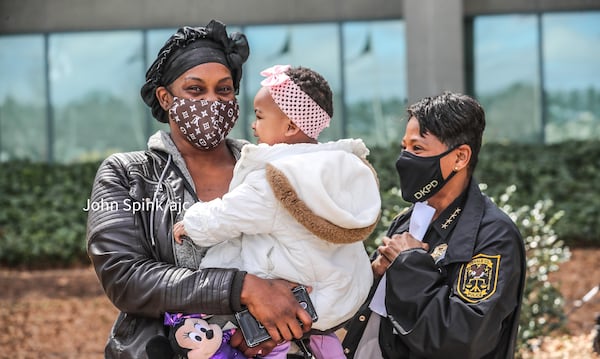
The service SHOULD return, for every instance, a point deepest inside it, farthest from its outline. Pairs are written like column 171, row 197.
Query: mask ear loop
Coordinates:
column 454, row 170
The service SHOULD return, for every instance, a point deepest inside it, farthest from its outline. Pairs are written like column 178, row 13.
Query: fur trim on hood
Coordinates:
column 322, row 228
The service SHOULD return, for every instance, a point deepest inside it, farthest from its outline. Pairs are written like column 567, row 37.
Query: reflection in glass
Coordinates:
column 94, row 90
column 375, row 80
column 155, row 39
column 506, row 76
column 572, row 75
column 23, row 131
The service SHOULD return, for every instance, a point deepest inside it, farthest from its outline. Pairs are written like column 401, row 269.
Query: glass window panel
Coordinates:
column 155, row 39
column 507, row 76
column 23, row 132
column 315, row 46
column 375, row 86
column 572, row 75
column 94, row 90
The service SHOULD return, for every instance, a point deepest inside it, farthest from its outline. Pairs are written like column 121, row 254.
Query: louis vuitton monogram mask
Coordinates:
column 205, row 124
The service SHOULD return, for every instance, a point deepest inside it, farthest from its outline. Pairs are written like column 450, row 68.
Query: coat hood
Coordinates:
column 329, row 187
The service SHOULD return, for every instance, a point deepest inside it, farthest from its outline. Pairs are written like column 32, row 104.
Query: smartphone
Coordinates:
column 254, row 332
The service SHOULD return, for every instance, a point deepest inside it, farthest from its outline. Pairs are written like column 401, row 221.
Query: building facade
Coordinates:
column 70, row 71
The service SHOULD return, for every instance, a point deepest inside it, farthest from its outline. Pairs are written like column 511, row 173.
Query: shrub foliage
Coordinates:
column 42, row 222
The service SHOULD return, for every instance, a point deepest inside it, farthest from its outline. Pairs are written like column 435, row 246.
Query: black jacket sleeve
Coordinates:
column 134, row 279
column 430, row 316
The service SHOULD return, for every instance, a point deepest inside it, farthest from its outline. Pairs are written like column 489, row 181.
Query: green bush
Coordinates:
column 568, row 174
column 42, row 222
column 543, row 305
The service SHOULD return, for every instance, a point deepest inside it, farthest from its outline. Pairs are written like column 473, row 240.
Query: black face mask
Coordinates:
column 420, row 177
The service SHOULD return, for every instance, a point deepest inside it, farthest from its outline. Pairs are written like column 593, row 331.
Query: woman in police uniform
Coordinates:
column 457, row 291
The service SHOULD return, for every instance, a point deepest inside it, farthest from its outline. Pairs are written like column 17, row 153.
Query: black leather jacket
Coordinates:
column 136, row 198
column 462, row 304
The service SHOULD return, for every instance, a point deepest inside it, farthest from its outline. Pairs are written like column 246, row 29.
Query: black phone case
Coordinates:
column 254, row 332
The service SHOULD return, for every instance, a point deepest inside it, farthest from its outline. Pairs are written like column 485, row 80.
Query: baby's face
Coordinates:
column 270, row 124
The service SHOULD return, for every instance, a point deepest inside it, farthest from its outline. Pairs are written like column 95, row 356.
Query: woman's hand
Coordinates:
column 273, row 304
column 391, row 248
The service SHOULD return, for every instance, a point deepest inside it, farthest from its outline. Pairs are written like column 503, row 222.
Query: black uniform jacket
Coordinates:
column 460, row 300
column 137, row 197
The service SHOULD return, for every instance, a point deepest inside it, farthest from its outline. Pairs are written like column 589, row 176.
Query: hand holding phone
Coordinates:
column 254, row 332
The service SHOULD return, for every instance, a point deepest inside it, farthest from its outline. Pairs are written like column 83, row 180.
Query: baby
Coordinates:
column 297, row 209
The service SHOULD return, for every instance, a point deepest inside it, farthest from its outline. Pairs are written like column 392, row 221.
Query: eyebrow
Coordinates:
column 227, row 78
column 414, row 139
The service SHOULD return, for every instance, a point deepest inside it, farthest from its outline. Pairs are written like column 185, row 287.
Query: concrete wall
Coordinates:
column 434, row 42
column 488, row 7
column 65, row 15
column 27, row 16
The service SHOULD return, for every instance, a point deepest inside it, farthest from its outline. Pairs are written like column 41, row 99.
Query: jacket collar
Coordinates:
column 448, row 219
column 162, row 141
column 466, row 227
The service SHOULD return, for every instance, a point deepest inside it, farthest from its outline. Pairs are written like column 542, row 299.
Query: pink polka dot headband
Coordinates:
column 294, row 102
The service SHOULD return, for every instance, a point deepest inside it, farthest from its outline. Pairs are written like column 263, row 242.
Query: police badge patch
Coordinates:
column 439, row 252
column 477, row 279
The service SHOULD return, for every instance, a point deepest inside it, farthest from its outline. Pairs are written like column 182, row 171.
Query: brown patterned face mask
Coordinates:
column 204, row 123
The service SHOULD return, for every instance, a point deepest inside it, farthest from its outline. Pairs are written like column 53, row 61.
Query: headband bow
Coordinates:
column 275, row 75
column 294, row 102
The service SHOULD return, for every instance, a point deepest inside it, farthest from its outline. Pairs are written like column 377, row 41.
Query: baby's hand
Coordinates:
column 179, row 232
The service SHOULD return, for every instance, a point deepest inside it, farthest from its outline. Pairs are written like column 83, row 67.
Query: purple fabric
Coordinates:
column 279, row 352
column 226, row 351
column 322, row 346
column 326, row 346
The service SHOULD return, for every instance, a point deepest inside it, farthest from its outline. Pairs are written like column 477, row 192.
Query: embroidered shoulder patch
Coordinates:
column 477, row 279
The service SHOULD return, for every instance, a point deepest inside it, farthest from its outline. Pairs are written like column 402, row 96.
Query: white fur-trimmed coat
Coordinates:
column 298, row 212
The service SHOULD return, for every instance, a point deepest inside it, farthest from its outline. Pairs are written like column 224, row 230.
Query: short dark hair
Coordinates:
column 453, row 118
column 314, row 85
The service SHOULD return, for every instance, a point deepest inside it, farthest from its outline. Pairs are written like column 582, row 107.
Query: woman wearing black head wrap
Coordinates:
column 140, row 195
column 191, row 46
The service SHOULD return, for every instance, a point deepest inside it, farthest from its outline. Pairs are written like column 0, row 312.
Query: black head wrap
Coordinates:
column 189, row 47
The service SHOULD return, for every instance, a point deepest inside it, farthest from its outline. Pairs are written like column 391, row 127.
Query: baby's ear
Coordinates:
column 292, row 129
column 159, row 347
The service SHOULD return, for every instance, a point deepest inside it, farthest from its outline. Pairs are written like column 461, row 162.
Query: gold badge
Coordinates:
column 477, row 279
column 439, row 252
